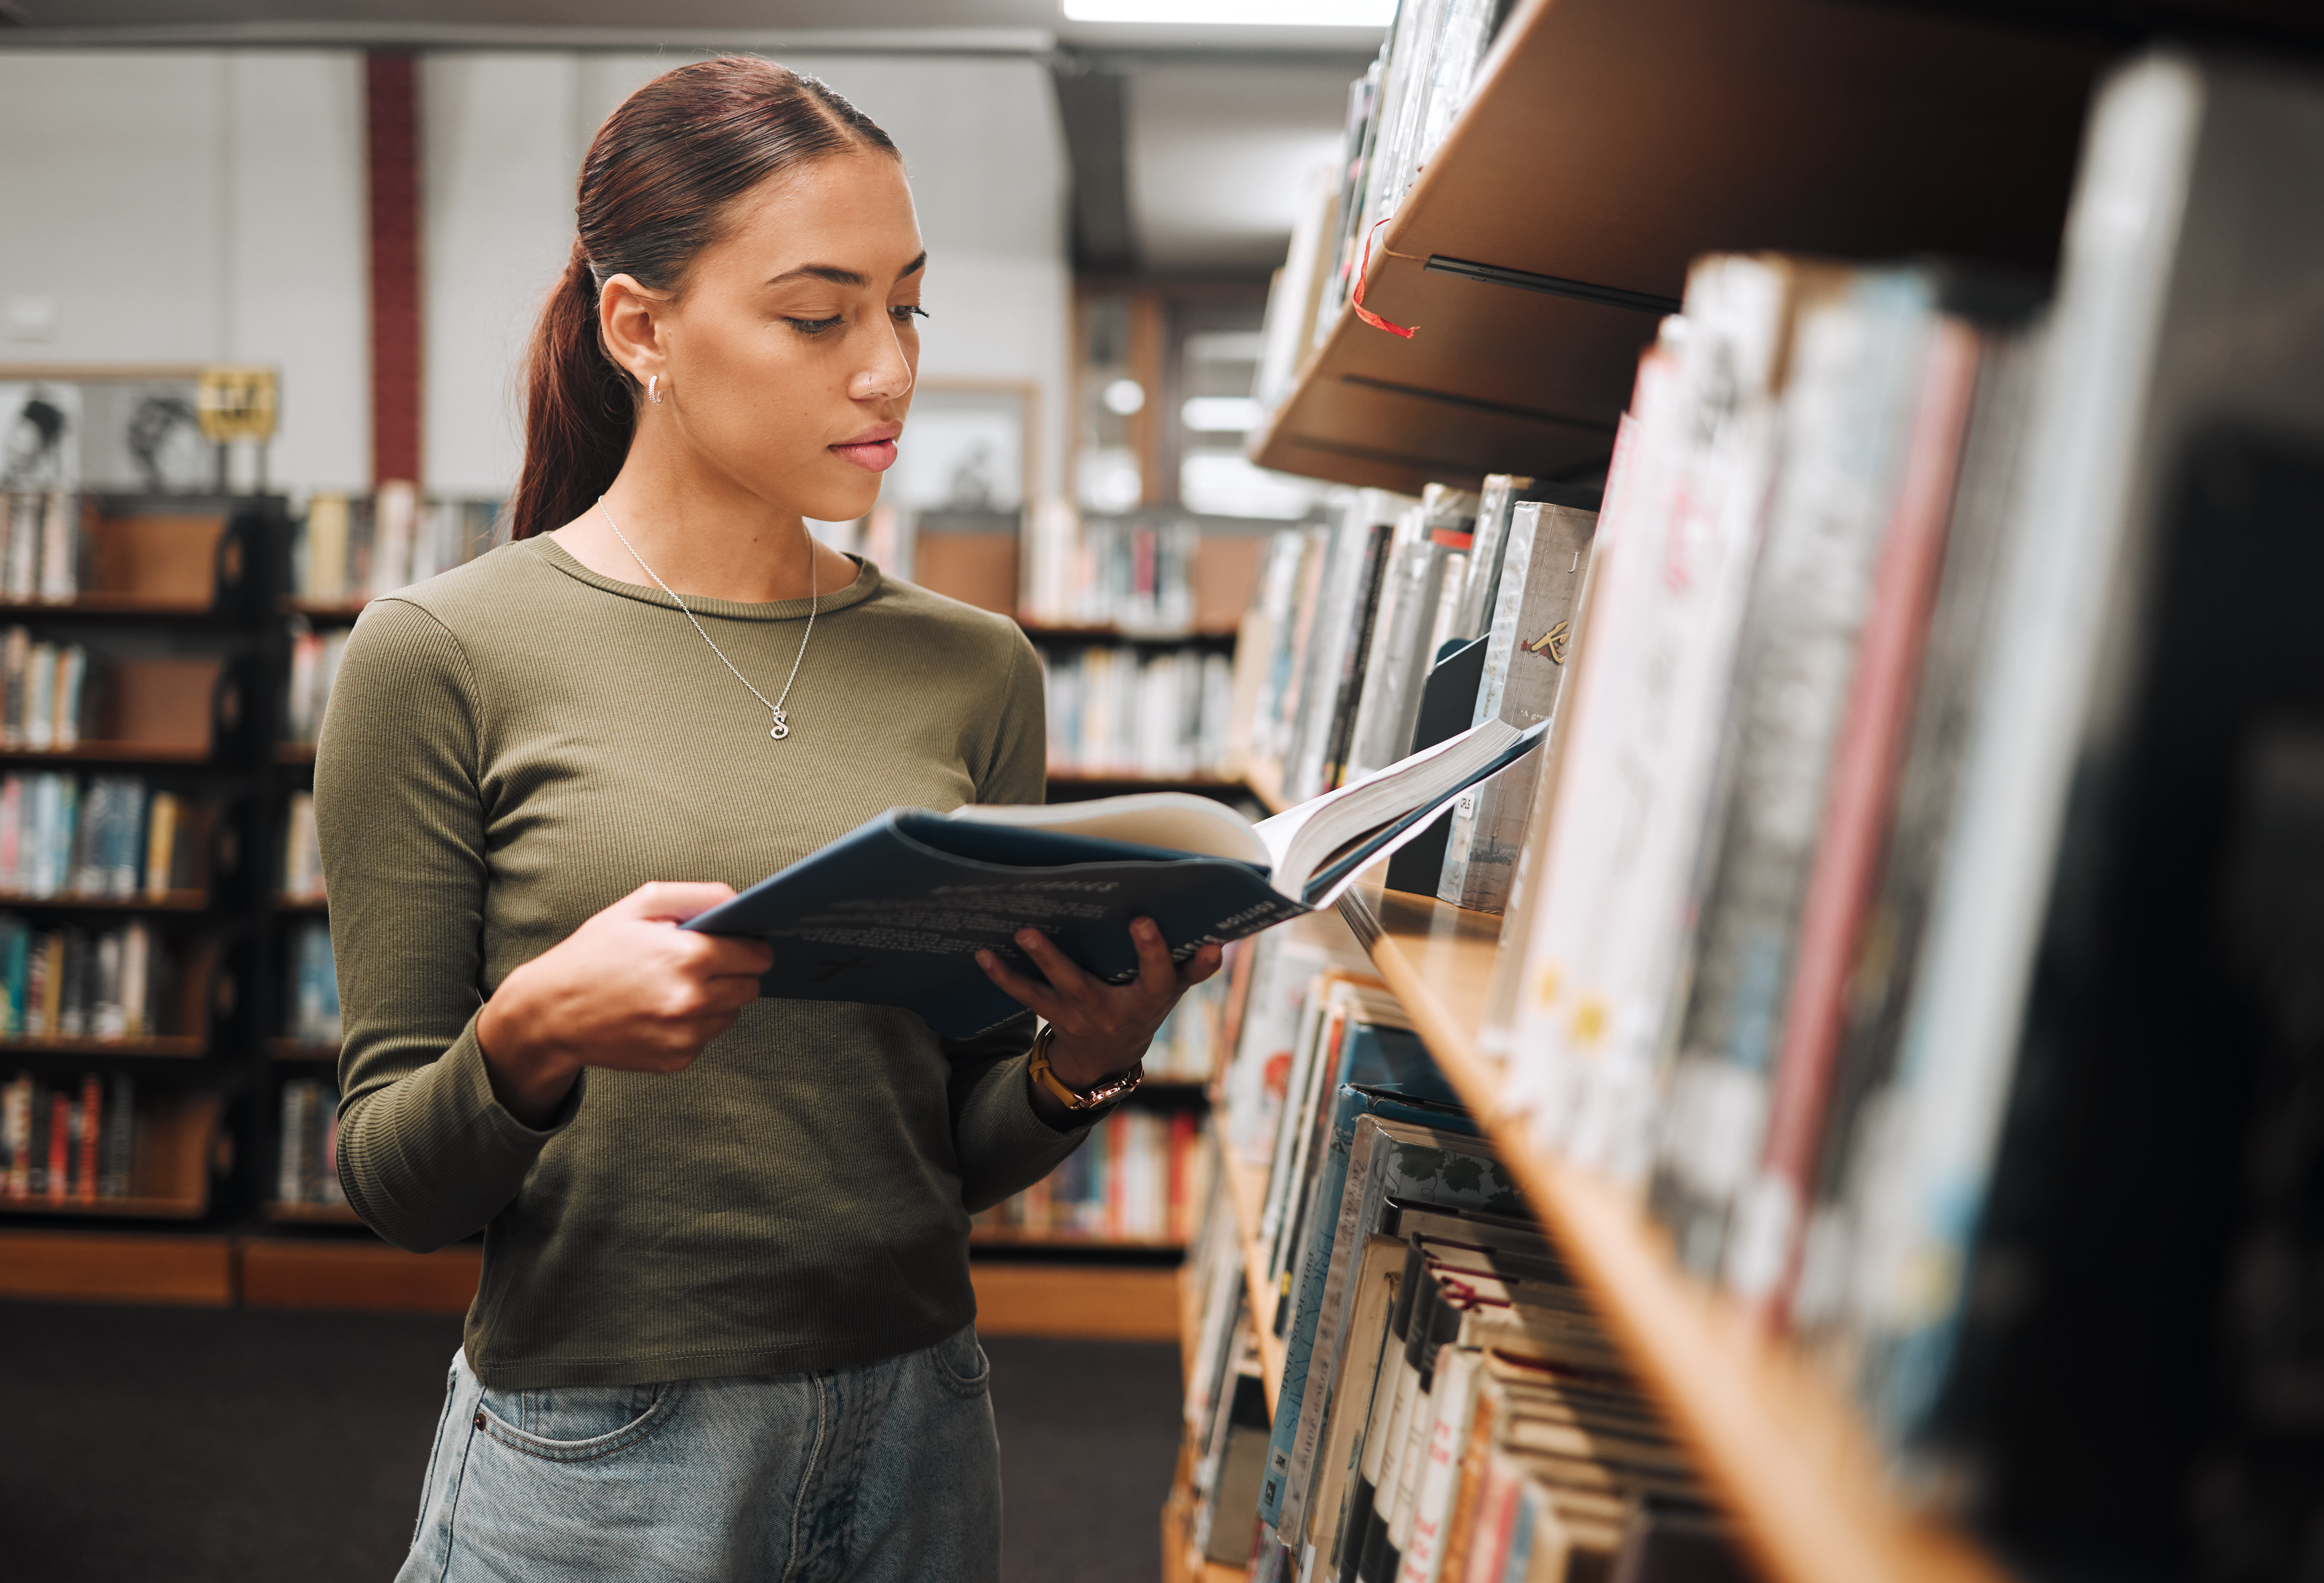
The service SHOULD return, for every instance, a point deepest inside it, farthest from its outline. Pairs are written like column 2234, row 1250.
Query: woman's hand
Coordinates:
column 1101, row 1028
column 629, row 990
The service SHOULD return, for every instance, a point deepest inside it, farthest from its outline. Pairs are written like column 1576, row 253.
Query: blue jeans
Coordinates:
column 887, row 1473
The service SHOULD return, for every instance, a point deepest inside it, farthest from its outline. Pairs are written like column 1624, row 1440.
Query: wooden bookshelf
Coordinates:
column 178, row 1149
column 1247, row 1191
column 188, row 1271
column 142, row 901
column 322, row 609
column 1034, row 1237
column 1787, row 1452
column 300, row 1214
column 298, row 1050
column 294, row 752
column 107, row 605
column 300, row 904
column 1610, row 142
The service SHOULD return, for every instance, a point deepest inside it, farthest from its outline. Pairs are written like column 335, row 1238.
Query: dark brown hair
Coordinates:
column 653, row 193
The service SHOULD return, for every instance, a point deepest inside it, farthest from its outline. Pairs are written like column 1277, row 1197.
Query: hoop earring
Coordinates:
column 653, row 390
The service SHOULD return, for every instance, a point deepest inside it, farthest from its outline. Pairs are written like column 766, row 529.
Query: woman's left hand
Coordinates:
column 1101, row 1028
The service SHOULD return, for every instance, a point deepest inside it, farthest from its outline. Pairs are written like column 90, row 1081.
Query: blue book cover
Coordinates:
column 893, row 913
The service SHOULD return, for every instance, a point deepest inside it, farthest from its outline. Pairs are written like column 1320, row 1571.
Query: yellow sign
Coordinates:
column 237, row 402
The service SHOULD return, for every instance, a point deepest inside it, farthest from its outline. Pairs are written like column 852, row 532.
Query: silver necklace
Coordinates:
column 783, row 726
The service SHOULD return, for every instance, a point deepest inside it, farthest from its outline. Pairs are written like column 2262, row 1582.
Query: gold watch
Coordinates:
column 1108, row 1091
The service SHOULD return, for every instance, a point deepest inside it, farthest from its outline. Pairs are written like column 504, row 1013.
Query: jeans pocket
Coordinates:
column 960, row 1364
column 578, row 1423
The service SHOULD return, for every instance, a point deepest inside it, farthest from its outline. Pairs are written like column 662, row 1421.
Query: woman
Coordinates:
column 724, row 1329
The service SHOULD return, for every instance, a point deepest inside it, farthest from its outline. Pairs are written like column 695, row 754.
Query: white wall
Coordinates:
column 505, row 136
column 198, row 207
column 205, row 206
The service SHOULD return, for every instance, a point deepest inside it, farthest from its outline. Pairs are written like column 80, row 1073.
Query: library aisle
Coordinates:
column 1708, row 603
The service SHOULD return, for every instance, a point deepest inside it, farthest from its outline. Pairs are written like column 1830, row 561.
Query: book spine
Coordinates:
column 1773, row 1210
column 91, row 1120
column 1292, row 1445
column 1357, row 659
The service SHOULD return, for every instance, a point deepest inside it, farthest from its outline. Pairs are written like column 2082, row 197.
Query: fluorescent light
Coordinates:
column 1225, row 13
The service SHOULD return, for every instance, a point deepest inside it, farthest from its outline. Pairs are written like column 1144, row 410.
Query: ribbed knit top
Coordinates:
column 515, row 745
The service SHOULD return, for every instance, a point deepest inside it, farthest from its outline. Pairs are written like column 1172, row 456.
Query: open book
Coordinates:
column 893, row 912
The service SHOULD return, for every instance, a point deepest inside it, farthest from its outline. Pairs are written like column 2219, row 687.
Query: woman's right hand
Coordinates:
column 629, row 990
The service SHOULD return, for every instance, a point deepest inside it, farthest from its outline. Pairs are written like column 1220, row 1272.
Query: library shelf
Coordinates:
column 1265, row 781
column 294, row 752
column 1033, row 1236
column 1790, row 1456
column 189, row 1270
column 114, row 604
column 1608, row 143
column 323, row 609
column 157, row 1046
column 299, row 1050
column 1108, row 633
column 294, row 1270
column 285, row 1213
column 1103, row 1301
column 142, row 901
column 180, row 1149
column 285, row 903
column 111, row 754
column 1247, row 1189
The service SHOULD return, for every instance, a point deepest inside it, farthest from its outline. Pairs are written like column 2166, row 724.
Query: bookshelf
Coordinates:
column 1641, row 134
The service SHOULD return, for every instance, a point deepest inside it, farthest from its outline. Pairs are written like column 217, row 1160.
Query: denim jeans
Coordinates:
column 886, row 1473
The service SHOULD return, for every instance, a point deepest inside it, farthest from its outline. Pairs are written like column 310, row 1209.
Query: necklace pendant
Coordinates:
column 781, row 727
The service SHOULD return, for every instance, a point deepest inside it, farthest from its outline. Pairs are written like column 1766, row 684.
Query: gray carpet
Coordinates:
column 187, row 1446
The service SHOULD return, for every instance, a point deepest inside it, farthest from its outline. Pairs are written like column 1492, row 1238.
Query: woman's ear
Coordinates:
column 627, row 321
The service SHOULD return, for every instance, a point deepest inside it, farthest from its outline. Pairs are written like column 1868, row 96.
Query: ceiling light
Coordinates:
column 1222, row 13
column 1123, row 397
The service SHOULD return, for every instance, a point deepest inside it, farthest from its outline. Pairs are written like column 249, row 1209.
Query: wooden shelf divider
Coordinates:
column 1787, row 1452
column 1247, row 1189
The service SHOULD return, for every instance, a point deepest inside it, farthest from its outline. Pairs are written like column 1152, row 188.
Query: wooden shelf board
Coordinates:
column 1609, row 143
column 112, row 753
column 107, row 604
column 294, row 752
column 164, row 1046
column 298, row 1050
column 1788, row 1453
column 1103, row 1301
column 287, row 1213
column 300, row 904
column 143, row 901
column 1031, row 1236
column 117, row 1266
column 1247, row 1189
column 142, row 1209
column 333, row 1272
column 344, row 610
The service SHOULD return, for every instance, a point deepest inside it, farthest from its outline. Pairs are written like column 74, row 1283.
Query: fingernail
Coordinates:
column 1028, row 936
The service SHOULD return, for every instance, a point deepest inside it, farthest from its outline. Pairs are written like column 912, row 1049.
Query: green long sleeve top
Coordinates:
column 513, row 746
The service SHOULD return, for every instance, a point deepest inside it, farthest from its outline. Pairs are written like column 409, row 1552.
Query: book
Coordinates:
column 1546, row 567
column 899, row 905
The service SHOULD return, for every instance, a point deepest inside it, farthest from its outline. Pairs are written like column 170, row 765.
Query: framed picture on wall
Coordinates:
column 966, row 449
column 126, row 430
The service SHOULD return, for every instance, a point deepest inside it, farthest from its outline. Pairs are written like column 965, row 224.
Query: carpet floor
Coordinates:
column 190, row 1446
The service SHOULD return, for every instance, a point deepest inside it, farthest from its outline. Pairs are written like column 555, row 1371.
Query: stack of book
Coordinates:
column 40, row 556
column 1142, row 1176
column 1134, row 578
column 110, row 837
column 77, row 983
column 352, row 548
column 303, row 850
column 1448, row 1406
column 314, row 666
column 1398, row 113
column 65, row 1145
column 1148, row 715
column 44, row 692
column 313, row 1014
column 1400, row 623
column 308, row 1168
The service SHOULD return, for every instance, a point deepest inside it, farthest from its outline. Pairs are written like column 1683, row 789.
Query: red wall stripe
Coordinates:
column 393, row 104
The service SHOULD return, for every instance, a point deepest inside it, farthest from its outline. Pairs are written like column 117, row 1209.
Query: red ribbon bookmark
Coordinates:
column 1363, row 272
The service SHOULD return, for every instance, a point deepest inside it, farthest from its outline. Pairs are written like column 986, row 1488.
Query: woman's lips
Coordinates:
column 872, row 456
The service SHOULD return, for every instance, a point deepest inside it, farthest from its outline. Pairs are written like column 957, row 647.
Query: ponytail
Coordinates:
column 653, row 193
column 580, row 408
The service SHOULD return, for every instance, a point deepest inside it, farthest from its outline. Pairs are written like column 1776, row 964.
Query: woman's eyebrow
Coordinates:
column 837, row 276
